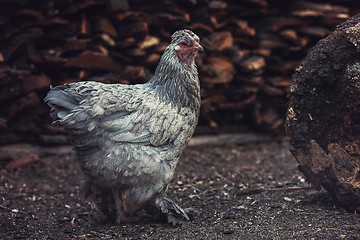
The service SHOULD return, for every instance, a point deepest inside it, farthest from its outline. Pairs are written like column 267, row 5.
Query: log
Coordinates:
column 323, row 118
column 16, row 155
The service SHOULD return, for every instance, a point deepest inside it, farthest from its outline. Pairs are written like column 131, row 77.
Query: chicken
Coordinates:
column 128, row 138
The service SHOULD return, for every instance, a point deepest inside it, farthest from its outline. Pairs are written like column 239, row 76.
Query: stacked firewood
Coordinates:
column 251, row 50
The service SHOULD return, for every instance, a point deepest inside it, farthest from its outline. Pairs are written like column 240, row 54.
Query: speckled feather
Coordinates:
column 129, row 138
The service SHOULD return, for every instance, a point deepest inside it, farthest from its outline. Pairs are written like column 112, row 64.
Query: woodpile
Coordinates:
column 323, row 119
column 251, row 50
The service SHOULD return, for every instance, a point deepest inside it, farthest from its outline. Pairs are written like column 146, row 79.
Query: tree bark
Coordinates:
column 323, row 118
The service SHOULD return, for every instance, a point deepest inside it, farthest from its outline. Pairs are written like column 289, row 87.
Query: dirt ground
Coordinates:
column 240, row 191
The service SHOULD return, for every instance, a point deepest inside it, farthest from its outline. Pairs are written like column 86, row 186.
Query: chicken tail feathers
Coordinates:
column 62, row 104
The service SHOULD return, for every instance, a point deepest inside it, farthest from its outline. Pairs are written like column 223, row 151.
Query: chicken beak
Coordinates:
column 200, row 48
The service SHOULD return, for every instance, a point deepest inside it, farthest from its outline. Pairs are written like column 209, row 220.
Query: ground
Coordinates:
column 239, row 191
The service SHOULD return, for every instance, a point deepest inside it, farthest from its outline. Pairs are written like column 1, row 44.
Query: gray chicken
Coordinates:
column 129, row 138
